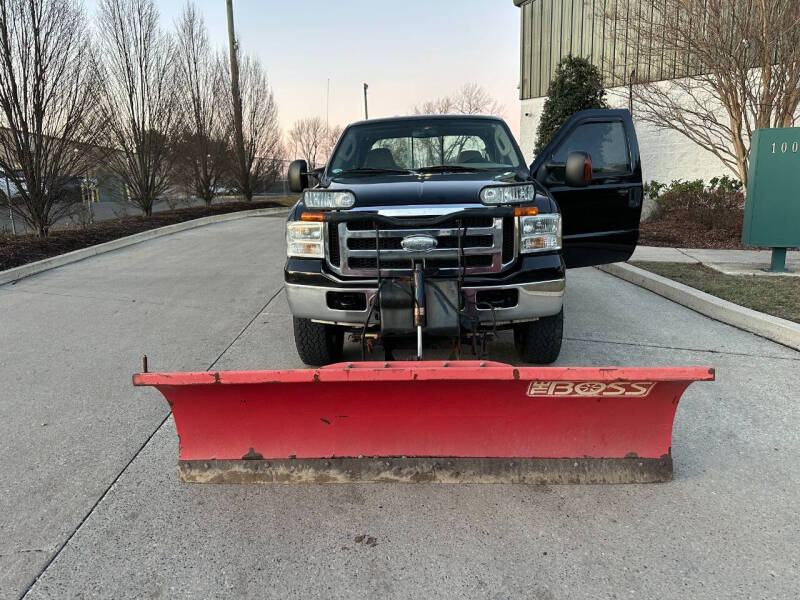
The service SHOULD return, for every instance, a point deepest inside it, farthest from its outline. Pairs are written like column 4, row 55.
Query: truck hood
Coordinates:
column 424, row 189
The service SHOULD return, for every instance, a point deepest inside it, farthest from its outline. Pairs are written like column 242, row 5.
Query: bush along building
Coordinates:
column 553, row 30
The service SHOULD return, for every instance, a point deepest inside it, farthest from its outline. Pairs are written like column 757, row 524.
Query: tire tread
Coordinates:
column 317, row 344
column 539, row 342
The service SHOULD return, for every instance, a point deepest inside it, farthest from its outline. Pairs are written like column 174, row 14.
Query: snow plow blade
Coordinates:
column 461, row 421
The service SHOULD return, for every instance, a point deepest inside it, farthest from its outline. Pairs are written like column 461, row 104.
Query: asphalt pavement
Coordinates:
column 90, row 504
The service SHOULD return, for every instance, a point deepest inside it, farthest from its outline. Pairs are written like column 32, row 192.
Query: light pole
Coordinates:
column 366, row 112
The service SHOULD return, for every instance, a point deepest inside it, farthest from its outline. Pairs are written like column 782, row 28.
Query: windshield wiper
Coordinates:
column 372, row 171
column 448, row 169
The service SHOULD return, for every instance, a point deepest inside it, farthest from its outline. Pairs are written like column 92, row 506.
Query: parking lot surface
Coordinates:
column 90, row 504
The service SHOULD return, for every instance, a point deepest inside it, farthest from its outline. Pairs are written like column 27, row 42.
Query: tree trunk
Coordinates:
column 236, row 98
column 147, row 206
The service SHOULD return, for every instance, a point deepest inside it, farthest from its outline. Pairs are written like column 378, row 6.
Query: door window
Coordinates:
column 606, row 143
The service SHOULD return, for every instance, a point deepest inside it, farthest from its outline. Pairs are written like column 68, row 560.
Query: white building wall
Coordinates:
column 666, row 154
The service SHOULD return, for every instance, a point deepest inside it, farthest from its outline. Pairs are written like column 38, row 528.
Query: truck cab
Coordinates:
column 430, row 229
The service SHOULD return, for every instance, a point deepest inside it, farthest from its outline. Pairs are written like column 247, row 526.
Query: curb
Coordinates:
column 773, row 328
column 17, row 273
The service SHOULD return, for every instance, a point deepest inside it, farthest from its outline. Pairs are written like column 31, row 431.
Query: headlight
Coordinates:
column 539, row 233
column 326, row 199
column 304, row 239
column 508, row 194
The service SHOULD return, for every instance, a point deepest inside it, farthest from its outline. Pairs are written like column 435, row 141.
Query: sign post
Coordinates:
column 772, row 207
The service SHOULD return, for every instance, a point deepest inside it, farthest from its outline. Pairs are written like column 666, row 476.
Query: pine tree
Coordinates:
column 576, row 85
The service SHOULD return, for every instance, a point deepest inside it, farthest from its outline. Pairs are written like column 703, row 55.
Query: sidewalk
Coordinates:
column 730, row 262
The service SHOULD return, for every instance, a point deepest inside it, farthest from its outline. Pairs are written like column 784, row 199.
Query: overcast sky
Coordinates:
column 406, row 50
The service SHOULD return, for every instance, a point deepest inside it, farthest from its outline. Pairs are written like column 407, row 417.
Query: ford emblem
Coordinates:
column 418, row 243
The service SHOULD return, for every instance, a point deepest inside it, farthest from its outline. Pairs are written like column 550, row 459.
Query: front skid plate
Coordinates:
column 536, row 471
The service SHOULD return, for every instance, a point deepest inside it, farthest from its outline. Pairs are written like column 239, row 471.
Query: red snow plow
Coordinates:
column 425, row 421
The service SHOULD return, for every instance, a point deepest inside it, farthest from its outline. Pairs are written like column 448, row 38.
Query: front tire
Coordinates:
column 539, row 342
column 318, row 344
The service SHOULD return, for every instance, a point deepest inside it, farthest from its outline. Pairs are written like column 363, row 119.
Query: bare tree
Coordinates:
column 332, row 135
column 437, row 106
column 309, row 138
column 273, row 167
column 260, row 128
column 139, row 97
column 470, row 99
column 47, row 100
column 201, row 149
column 733, row 67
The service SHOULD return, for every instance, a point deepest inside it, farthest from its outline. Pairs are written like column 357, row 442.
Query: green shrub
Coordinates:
column 707, row 204
column 725, row 183
column 679, row 185
column 675, row 193
column 713, row 209
column 652, row 189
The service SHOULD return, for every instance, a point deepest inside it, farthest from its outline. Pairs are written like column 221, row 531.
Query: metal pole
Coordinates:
column 366, row 112
column 10, row 211
column 328, row 106
column 238, row 135
column 630, row 92
column 419, row 305
column 778, row 261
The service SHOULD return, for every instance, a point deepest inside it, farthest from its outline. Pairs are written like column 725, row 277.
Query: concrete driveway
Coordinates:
column 90, row 505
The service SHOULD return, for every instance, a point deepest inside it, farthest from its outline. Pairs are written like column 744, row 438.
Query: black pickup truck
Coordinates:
column 433, row 230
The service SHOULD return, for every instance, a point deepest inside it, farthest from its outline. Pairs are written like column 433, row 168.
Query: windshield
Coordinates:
column 405, row 145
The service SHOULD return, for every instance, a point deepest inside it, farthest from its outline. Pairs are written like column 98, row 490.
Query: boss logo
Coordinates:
column 572, row 389
column 418, row 243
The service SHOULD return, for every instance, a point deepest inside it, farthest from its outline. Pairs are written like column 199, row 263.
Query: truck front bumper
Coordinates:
column 533, row 300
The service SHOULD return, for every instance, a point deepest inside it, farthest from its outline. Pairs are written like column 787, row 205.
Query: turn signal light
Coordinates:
column 312, row 216
column 526, row 211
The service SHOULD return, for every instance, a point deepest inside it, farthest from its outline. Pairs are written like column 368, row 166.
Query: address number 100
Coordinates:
column 784, row 147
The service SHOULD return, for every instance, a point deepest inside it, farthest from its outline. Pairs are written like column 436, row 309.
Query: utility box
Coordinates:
column 772, row 208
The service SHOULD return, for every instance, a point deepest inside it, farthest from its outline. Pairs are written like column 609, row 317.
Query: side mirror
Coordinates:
column 578, row 172
column 298, row 175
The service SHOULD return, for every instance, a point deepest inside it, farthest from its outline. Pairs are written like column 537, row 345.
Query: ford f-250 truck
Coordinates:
column 429, row 228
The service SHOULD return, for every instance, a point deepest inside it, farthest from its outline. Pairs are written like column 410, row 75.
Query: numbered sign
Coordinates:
column 772, row 209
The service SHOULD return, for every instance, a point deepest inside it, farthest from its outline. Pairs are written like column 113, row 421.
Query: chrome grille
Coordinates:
column 354, row 251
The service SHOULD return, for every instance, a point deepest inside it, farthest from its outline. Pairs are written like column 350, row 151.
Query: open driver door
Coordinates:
column 593, row 170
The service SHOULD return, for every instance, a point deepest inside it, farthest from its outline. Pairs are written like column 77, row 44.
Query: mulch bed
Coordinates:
column 674, row 232
column 23, row 249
